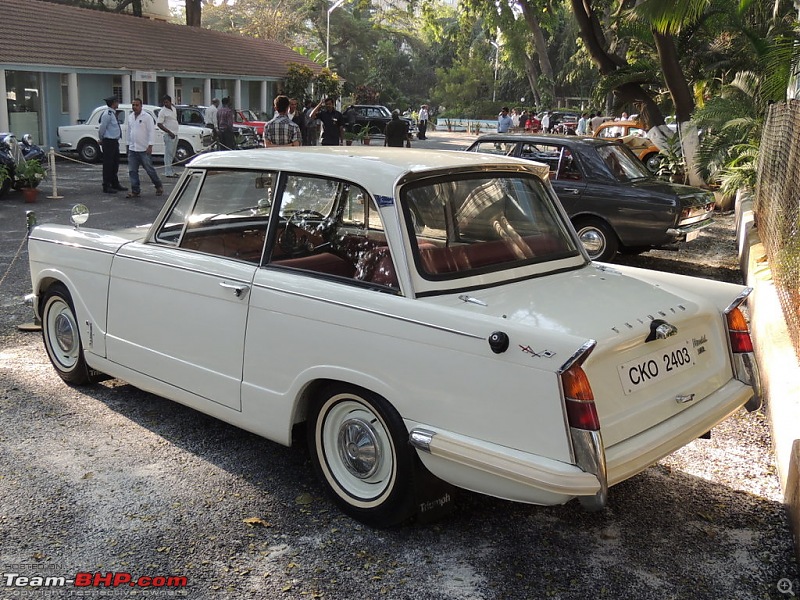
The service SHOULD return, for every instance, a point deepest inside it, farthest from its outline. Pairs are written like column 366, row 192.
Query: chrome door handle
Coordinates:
column 575, row 191
column 238, row 288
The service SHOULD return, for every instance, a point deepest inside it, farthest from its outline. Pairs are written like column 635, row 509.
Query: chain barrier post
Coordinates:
column 36, row 324
column 51, row 157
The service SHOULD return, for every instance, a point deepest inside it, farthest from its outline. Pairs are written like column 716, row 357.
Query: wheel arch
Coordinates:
column 311, row 388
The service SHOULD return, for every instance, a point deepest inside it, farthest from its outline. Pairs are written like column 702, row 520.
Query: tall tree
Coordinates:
column 194, row 13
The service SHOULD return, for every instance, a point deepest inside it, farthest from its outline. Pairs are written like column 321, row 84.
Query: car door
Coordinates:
column 178, row 303
column 566, row 175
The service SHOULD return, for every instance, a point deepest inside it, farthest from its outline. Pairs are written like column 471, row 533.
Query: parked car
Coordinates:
column 245, row 116
column 372, row 116
column 614, row 202
column 430, row 317
column 194, row 116
column 634, row 136
column 83, row 138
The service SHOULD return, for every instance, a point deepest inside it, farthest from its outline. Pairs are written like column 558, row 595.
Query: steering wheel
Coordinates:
column 295, row 240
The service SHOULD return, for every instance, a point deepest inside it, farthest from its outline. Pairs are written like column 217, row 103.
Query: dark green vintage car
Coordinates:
column 614, row 202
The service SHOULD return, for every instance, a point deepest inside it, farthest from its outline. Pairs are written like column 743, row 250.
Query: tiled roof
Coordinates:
column 38, row 33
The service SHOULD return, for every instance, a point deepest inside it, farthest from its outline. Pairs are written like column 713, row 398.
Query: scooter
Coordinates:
column 13, row 155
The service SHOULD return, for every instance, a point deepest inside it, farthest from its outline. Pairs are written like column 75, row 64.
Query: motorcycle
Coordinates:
column 13, row 156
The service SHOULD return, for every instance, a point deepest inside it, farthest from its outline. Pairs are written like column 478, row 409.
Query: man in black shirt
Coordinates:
column 396, row 132
column 332, row 123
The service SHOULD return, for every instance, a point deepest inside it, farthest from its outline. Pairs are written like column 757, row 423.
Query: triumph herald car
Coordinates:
column 431, row 318
column 615, row 203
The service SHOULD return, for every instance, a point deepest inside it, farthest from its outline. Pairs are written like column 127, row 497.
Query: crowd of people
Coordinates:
column 548, row 122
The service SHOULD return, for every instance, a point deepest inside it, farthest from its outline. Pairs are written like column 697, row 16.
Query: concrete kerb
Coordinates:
column 776, row 359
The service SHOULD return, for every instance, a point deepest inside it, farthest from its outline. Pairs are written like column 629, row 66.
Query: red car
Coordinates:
column 245, row 116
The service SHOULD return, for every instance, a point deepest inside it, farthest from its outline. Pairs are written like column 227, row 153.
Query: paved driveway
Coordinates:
column 110, row 479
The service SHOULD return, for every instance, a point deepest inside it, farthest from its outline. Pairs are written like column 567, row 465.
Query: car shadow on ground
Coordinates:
column 656, row 531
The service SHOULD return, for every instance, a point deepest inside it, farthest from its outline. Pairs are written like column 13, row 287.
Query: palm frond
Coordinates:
column 669, row 17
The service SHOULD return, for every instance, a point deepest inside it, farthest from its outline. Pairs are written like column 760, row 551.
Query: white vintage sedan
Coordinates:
column 431, row 317
column 83, row 138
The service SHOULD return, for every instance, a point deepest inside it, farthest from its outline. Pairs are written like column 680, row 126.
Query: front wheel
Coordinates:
column 183, row 152
column 653, row 162
column 598, row 238
column 62, row 338
column 358, row 445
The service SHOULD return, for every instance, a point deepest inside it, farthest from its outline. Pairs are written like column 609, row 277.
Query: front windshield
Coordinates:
column 483, row 222
column 622, row 163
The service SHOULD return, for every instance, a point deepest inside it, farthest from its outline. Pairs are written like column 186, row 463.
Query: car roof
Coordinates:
column 572, row 140
column 378, row 167
column 626, row 123
column 128, row 106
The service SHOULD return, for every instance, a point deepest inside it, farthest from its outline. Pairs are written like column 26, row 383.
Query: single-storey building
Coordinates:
column 58, row 62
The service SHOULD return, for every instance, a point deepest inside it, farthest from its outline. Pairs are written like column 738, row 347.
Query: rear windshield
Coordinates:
column 481, row 223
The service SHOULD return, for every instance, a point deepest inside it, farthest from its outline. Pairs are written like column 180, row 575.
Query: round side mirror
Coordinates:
column 80, row 214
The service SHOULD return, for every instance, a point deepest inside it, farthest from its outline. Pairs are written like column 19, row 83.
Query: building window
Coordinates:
column 64, row 93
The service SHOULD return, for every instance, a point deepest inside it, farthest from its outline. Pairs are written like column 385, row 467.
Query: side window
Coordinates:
column 331, row 228
column 501, row 148
column 223, row 213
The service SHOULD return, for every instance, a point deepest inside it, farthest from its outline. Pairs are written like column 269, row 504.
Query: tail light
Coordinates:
column 738, row 332
column 578, row 395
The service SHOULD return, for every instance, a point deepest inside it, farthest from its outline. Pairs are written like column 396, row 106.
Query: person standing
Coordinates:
column 546, row 122
column 396, row 132
column 168, row 123
column 423, row 122
column 332, row 123
column 597, row 120
column 227, row 136
column 211, row 115
column 110, row 133
column 141, row 135
column 504, row 121
column 298, row 117
column 311, row 133
column 281, row 130
column 583, row 125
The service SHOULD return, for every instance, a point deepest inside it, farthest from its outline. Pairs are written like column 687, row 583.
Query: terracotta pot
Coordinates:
column 29, row 194
column 365, row 141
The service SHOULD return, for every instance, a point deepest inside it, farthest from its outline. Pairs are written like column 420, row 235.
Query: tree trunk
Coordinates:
column 532, row 74
column 194, row 15
column 540, row 45
column 683, row 100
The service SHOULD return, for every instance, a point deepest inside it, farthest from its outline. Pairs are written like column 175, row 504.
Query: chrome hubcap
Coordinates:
column 358, row 448
column 592, row 241
column 64, row 333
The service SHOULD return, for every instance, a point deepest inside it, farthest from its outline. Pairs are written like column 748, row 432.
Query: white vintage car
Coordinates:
column 430, row 316
column 83, row 138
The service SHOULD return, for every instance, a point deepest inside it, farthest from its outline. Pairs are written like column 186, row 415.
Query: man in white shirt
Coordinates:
column 168, row 123
column 211, row 114
column 141, row 134
column 422, row 122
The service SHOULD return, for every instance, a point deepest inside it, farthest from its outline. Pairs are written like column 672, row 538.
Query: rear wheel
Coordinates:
column 62, row 338
column 89, row 151
column 598, row 238
column 358, row 444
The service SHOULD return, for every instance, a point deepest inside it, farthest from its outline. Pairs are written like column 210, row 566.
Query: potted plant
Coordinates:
column 29, row 174
column 350, row 137
column 5, row 180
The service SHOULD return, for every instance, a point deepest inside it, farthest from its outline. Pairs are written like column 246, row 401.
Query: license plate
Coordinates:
column 692, row 235
column 657, row 366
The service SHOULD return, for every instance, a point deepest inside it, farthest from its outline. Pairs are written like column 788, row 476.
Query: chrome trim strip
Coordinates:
column 371, row 311
column 683, row 229
column 421, row 439
column 590, row 456
column 580, row 354
column 71, row 245
column 738, row 300
column 191, row 269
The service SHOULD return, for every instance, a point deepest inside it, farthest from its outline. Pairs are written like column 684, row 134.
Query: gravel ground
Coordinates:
column 111, row 479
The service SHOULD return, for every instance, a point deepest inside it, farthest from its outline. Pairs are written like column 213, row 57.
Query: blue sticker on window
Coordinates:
column 385, row 200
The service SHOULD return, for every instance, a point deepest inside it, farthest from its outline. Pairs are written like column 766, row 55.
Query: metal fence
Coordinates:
column 777, row 206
